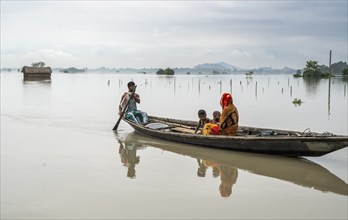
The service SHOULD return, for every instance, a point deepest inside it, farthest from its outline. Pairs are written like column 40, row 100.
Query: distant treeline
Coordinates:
column 73, row 70
column 313, row 69
column 336, row 68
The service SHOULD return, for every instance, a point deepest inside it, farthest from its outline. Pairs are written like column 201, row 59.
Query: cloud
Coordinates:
column 173, row 33
column 49, row 56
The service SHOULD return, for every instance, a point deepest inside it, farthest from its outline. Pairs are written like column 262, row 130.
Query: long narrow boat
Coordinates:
column 249, row 139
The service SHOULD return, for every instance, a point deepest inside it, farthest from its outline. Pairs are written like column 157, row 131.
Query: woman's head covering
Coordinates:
column 225, row 99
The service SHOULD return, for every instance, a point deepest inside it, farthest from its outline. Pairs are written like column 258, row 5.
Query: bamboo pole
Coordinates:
column 330, row 64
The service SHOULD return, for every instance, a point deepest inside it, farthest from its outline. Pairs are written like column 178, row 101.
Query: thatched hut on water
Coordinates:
column 36, row 72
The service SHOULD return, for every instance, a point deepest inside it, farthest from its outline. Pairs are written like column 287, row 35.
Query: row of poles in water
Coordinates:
column 231, row 85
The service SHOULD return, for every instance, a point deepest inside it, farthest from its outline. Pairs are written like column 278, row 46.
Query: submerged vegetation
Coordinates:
column 297, row 101
column 298, row 73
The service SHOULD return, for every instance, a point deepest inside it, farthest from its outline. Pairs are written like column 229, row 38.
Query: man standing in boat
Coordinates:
column 132, row 113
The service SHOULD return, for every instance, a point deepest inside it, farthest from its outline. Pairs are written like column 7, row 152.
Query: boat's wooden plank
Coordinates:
column 183, row 130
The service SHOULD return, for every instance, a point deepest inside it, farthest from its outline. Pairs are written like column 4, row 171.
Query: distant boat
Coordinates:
column 249, row 139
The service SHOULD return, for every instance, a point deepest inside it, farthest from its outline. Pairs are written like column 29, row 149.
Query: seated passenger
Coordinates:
column 229, row 116
column 202, row 115
column 216, row 117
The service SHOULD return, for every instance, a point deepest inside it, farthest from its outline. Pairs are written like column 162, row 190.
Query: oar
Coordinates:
column 124, row 110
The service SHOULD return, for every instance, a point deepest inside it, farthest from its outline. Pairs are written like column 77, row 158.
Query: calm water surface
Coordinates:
column 60, row 159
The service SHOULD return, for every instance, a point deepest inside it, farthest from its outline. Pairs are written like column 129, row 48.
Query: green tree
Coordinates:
column 160, row 72
column 312, row 69
column 167, row 71
column 38, row 64
column 311, row 64
column 345, row 72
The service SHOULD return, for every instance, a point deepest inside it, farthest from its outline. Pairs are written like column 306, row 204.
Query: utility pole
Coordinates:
column 328, row 102
column 330, row 64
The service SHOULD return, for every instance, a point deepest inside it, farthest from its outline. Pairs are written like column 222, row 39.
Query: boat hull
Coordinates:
column 277, row 145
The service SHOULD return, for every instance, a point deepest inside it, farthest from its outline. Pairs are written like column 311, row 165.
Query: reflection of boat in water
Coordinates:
column 299, row 171
column 249, row 139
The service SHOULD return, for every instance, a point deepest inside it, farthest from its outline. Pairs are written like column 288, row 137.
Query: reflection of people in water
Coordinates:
column 129, row 158
column 228, row 175
column 202, row 169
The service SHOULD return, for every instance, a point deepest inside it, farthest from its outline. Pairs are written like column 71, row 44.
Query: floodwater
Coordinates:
column 60, row 159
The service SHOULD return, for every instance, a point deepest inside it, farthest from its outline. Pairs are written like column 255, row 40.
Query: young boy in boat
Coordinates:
column 202, row 115
column 212, row 128
column 132, row 113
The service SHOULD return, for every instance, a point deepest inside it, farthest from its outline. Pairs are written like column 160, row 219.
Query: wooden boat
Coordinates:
column 249, row 139
column 299, row 171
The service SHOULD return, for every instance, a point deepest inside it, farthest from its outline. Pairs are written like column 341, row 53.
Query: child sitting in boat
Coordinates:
column 202, row 115
column 212, row 128
column 216, row 117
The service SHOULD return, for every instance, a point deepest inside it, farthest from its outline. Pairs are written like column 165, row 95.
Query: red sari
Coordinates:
column 229, row 120
column 229, row 116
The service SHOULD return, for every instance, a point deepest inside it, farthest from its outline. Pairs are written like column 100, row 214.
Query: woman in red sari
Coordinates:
column 229, row 116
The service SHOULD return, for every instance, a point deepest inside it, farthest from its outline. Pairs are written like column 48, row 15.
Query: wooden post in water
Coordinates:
column 330, row 64
column 231, row 86
column 290, row 91
column 199, row 86
column 256, row 89
column 220, row 87
column 174, row 84
column 328, row 100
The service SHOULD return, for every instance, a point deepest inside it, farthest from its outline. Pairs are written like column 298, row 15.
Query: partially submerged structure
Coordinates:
column 36, row 72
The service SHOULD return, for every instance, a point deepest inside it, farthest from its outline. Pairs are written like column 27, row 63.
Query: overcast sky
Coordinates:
column 140, row 34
